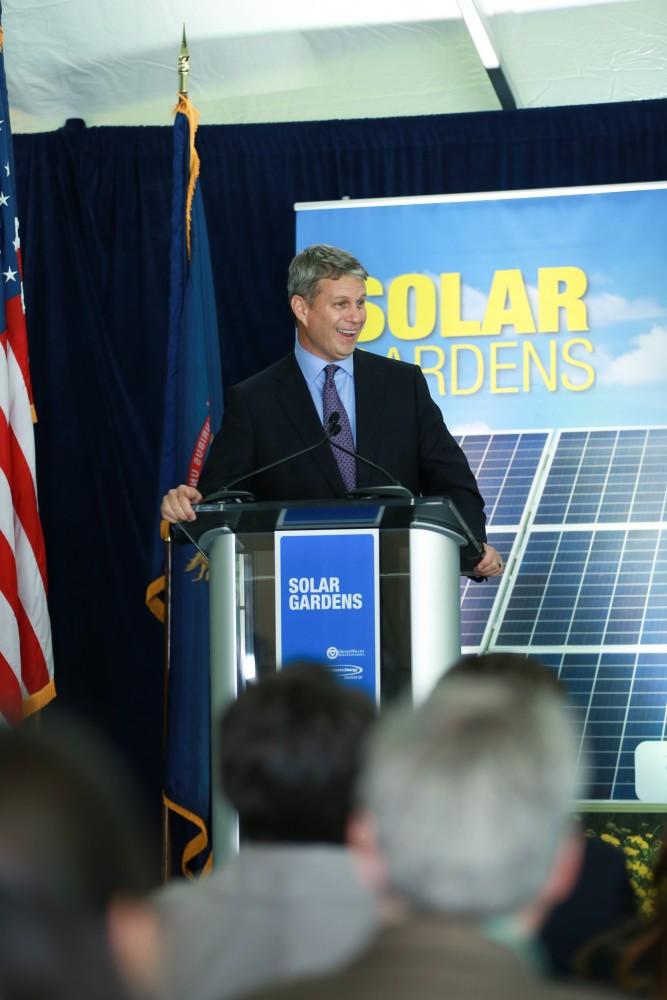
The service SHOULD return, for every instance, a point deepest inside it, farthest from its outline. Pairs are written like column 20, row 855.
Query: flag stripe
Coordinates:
column 18, row 336
column 18, row 410
column 33, row 667
column 12, row 710
column 37, row 654
column 10, row 648
column 15, row 468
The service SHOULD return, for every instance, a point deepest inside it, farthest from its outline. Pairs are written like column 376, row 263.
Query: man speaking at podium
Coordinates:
column 377, row 408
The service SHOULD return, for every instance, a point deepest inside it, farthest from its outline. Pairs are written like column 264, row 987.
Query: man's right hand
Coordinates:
column 177, row 504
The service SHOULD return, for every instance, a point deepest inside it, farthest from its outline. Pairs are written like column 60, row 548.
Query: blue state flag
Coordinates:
column 192, row 410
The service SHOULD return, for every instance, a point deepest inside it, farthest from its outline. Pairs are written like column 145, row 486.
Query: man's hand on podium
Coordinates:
column 491, row 563
column 177, row 504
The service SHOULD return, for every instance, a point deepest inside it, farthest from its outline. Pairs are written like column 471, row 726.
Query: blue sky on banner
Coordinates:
column 494, row 356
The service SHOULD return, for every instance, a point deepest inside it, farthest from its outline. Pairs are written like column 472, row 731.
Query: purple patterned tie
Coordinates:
column 331, row 403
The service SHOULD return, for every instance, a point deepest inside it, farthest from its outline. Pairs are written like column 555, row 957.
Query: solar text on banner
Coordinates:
column 26, row 657
column 192, row 409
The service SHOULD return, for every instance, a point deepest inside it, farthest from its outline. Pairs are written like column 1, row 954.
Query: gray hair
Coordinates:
column 320, row 261
column 471, row 794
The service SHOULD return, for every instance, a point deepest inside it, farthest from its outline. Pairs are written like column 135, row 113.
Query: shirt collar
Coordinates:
column 505, row 930
column 312, row 366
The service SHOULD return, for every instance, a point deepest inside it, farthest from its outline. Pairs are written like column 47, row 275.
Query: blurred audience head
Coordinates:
column 469, row 798
column 290, row 747
column 73, row 829
column 69, row 815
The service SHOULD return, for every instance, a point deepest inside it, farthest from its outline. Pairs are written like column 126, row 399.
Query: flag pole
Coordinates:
column 166, row 865
column 183, row 71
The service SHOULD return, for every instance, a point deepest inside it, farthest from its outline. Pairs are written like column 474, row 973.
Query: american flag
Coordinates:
column 26, row 658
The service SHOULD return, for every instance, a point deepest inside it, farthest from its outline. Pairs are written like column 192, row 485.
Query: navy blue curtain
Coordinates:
column 94, row 205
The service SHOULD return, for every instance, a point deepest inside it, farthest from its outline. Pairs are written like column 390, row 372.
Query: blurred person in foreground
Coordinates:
column 50, row 950
column 467, row 816
column 291, row 901
column 74, row 846
column 602, row 896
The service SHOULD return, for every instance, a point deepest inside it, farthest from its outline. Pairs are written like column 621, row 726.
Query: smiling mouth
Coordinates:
column 348, row 333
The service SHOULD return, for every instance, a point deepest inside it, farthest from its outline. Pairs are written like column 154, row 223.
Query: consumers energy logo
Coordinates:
column 346, row 671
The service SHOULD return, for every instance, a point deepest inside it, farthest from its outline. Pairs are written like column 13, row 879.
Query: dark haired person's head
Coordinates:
column 72, row 831
column 70, row 817
column 291, row 747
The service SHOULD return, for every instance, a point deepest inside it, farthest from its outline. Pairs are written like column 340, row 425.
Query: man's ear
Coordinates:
column 299, row 307
column 565, row 870
column 361, row 837
column 133, row 935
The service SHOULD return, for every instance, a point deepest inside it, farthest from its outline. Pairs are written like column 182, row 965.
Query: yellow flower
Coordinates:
column 610, row 839
column 631, row 851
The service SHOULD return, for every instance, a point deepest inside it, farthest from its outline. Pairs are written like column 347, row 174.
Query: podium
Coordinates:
column 272, row 587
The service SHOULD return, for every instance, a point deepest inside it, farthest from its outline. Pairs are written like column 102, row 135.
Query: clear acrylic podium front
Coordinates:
column 424, row 545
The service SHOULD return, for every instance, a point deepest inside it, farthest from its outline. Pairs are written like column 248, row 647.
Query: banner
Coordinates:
column 540, row 321
column 524, row 309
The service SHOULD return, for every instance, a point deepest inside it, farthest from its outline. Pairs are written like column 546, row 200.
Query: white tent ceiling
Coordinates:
column 112, row 62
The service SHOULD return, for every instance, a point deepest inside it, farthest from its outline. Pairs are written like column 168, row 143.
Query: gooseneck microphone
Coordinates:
column 229, row 493
column 394, row 489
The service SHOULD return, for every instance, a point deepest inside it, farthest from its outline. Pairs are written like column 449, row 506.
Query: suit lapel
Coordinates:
column 369, row 405
column 296, row 402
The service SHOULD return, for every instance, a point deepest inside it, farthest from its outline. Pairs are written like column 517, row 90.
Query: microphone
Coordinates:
column 396, row 489
column 227, row 493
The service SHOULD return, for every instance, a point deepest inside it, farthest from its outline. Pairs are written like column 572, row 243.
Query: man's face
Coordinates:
column 330, row 325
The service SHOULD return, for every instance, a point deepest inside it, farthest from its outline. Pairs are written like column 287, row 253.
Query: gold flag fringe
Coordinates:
column 187, row 108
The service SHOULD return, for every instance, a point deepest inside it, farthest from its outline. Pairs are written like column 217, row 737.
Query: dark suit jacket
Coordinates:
column 399, row 426
column 601, row 899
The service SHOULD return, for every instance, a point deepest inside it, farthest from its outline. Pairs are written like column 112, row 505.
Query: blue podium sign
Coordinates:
column 327, row 603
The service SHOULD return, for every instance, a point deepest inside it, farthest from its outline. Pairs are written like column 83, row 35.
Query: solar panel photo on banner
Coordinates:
column 585, row 543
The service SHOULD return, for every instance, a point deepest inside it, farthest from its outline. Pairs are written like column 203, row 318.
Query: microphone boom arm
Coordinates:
column 396, row 489
column 228, row 493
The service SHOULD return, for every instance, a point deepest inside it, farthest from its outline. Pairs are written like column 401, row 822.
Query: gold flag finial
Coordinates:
column 183, row 66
